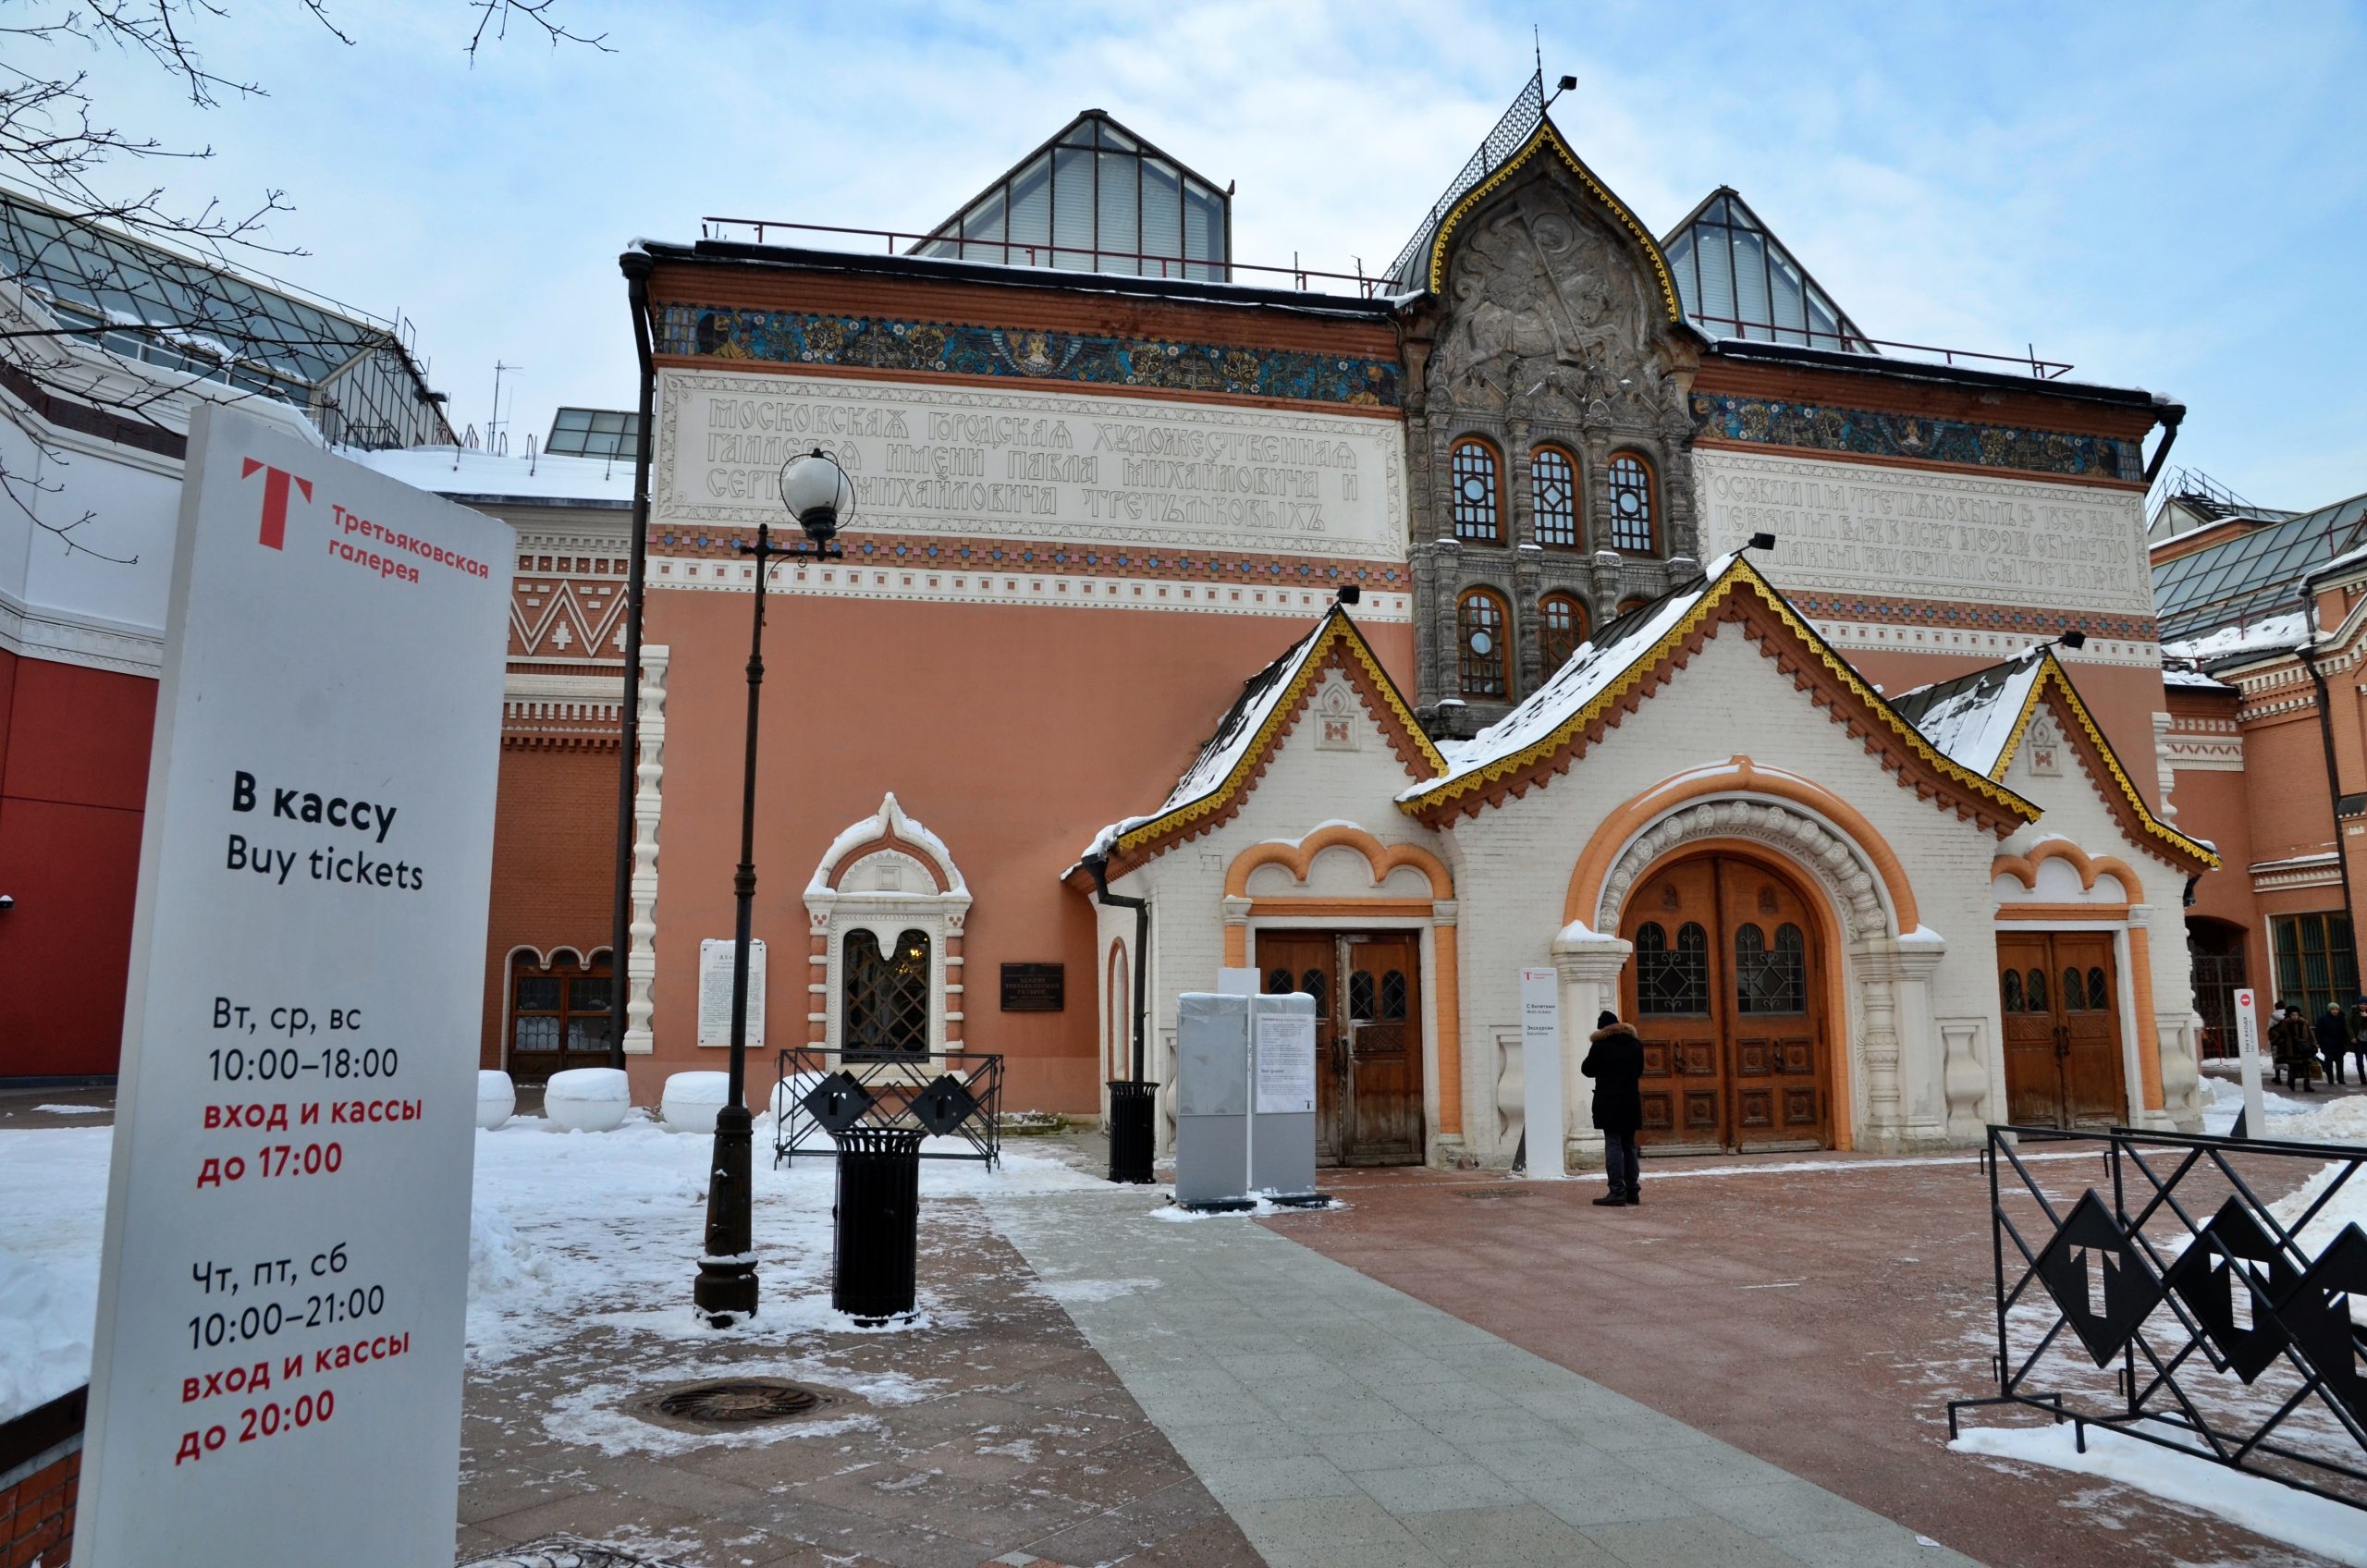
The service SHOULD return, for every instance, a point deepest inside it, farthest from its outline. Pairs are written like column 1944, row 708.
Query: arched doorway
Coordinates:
column 1727, row 988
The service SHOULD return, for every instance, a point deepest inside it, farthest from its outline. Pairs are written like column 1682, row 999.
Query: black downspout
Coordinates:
column 1132, row 1116
column 1100, row 869
column 2333, row 781
column 636, row 266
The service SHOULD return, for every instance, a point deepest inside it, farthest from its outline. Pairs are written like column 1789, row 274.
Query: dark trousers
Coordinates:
column 1619, row 1161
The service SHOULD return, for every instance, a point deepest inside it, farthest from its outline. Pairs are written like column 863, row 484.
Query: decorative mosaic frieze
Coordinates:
column 2027, row 620
column 1762, row 422
column 797, row 337
column 963, row 553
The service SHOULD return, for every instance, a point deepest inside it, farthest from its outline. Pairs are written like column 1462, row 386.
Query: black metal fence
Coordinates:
column 2204, row 1296
column 954, row 1097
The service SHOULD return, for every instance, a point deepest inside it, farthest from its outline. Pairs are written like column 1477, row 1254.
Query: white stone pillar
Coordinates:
column 649, row 778
column 1589, row 965
column 1906, row 1058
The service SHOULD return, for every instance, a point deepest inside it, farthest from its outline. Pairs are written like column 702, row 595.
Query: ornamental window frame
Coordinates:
column 888, row 876
column 1617, row 485
column 1572, row 510
column 1465, row 519
column 1568, row 637
column 1468, row 666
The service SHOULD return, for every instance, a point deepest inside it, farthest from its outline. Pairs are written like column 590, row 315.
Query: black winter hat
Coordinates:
column 1606, row 1019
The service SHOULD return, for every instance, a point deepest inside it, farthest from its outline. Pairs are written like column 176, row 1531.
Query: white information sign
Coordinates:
column 1285, row 1065
column 1541, row 1066
column 278, row 1349
column 2248, row 1059
column 716, row 959
column 1238, row 982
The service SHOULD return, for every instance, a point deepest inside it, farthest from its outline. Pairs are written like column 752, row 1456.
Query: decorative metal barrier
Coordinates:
column 952, row 1095
column 2201, row 1299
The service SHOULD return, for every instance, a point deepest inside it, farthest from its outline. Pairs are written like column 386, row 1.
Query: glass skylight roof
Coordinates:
column 1095, row 197
column 594, row 433
column 200, row 318
column 1737, row 280
column 2254, row 574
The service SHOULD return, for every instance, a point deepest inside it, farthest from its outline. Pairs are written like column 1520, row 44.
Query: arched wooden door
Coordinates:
column 1726, row 988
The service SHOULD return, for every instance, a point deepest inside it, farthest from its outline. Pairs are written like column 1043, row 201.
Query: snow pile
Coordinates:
column 2299, row 1519
column 55, row 1180
column 1972, row 723
column 48, row 1312
column 2287, row 631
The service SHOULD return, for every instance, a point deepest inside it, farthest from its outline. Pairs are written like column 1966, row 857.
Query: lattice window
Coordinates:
column 1360, row 996
column 1672, row 981
column 1279, row 984
column 1392, row 996
column 1771, row 979
column 2099, row 993
column 1554, row 496
column 2034, row 991
column 1480, row 629
column 884, row 997
column 1629, row 483
column 1473, row 467
column 563, row 1007
column 2009, row 991
column 1562, row 627
column 1314, row 984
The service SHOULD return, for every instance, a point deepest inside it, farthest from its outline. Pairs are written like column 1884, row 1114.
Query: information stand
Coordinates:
column 284, row 1279
column 1245, row 1099
column 2248, row 1060
column 1540, row 1074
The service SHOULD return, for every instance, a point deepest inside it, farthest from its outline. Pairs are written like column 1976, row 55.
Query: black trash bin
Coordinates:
column 876, row 1234
column 1133, row 1107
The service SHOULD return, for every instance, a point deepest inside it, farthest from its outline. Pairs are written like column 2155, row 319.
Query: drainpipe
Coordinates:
column 2334, row 774
column 636, row 266
column 1130, row 1111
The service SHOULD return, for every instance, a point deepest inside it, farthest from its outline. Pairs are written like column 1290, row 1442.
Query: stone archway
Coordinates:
column 1847, row 876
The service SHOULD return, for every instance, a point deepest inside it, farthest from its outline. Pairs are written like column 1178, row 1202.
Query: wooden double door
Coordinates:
column 1367, row 991
column 2058, row 993
column 1726, row 987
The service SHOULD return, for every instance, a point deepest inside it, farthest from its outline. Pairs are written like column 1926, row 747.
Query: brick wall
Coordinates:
column 41, row 1470
column 555, row 850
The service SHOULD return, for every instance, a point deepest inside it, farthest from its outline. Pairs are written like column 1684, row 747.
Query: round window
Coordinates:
column 1482, row 642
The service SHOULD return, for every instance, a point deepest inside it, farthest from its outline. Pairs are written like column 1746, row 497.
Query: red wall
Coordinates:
column 554, row 860
column 73, row 776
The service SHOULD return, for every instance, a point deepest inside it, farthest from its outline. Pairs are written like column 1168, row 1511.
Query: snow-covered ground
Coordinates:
column 567, row 1230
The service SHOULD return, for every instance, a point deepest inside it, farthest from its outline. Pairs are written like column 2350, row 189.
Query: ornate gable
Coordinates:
column 1271, row 707
column 2054, row 714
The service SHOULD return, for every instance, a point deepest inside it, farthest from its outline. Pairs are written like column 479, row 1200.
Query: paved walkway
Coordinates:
column 1339, row 1421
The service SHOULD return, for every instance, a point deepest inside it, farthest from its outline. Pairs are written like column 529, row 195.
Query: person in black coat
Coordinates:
column 2334, row 1039
column 1615, row 1062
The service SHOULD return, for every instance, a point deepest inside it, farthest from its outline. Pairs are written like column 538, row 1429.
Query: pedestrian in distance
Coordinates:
column 2359, row 1037
column 2334, row 1039
column 2295, row 1046
column 1615, row 1062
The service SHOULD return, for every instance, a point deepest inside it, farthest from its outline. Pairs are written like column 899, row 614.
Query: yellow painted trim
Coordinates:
column 1546, row 136
column 1742, row 572
column 2051, row 672
column 1340, row 631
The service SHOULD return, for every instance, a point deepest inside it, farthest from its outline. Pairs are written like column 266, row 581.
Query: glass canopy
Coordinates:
column 594, row 433
column 1095, row 197
column 2254, row 574
column 1737, row 280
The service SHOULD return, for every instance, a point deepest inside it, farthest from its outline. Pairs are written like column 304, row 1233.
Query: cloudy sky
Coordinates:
column 2169, row 196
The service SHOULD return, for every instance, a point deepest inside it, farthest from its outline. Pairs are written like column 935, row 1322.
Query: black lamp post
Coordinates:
column 820, row 497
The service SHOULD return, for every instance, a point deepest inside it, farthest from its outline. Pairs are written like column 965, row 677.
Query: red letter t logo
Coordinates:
column 275, row 500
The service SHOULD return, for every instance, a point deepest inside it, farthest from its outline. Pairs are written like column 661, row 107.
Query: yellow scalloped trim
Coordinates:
column 1742, row 571
column 2052, row 671
column 1545, row 135
column 1341, row 630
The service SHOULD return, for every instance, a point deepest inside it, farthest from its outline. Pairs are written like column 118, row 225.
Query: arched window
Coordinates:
column 1562, row 627
column 1636, row 603
column 1628, row 485
column 1672, row 980
column 1474, row 467
column 1480, row 626
column 2099, row 996
column 1553, row 496
column 558, row 1012
column 1122, row 1014
column 2034, row 992
column 2009, row 990
column 884, row 997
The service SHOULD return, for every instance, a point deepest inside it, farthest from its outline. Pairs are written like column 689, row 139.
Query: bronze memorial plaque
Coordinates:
column 1034, row 987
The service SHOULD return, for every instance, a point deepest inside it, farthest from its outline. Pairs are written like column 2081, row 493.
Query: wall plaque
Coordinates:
column 1035, row 988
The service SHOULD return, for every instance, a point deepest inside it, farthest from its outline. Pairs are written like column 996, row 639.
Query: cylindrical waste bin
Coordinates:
column 875, row 1235
column 1133, row 1107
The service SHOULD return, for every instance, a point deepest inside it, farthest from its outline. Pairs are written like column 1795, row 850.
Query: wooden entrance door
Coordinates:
column 2058, row 993
column 1367, row 1008
column 1725, row 989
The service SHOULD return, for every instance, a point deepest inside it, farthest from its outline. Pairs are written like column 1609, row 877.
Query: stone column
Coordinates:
column 1448, row 1144
column 1235, row 911
column 649, row 778
column 1589, row 965
column 1905, row 1060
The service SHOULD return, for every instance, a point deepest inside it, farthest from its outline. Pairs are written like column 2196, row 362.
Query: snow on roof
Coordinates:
column 2174, row 675
column 1973, row 718
column 456, row 471
column 1235, row 734
column 1596, row 663
column 2269, row 632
